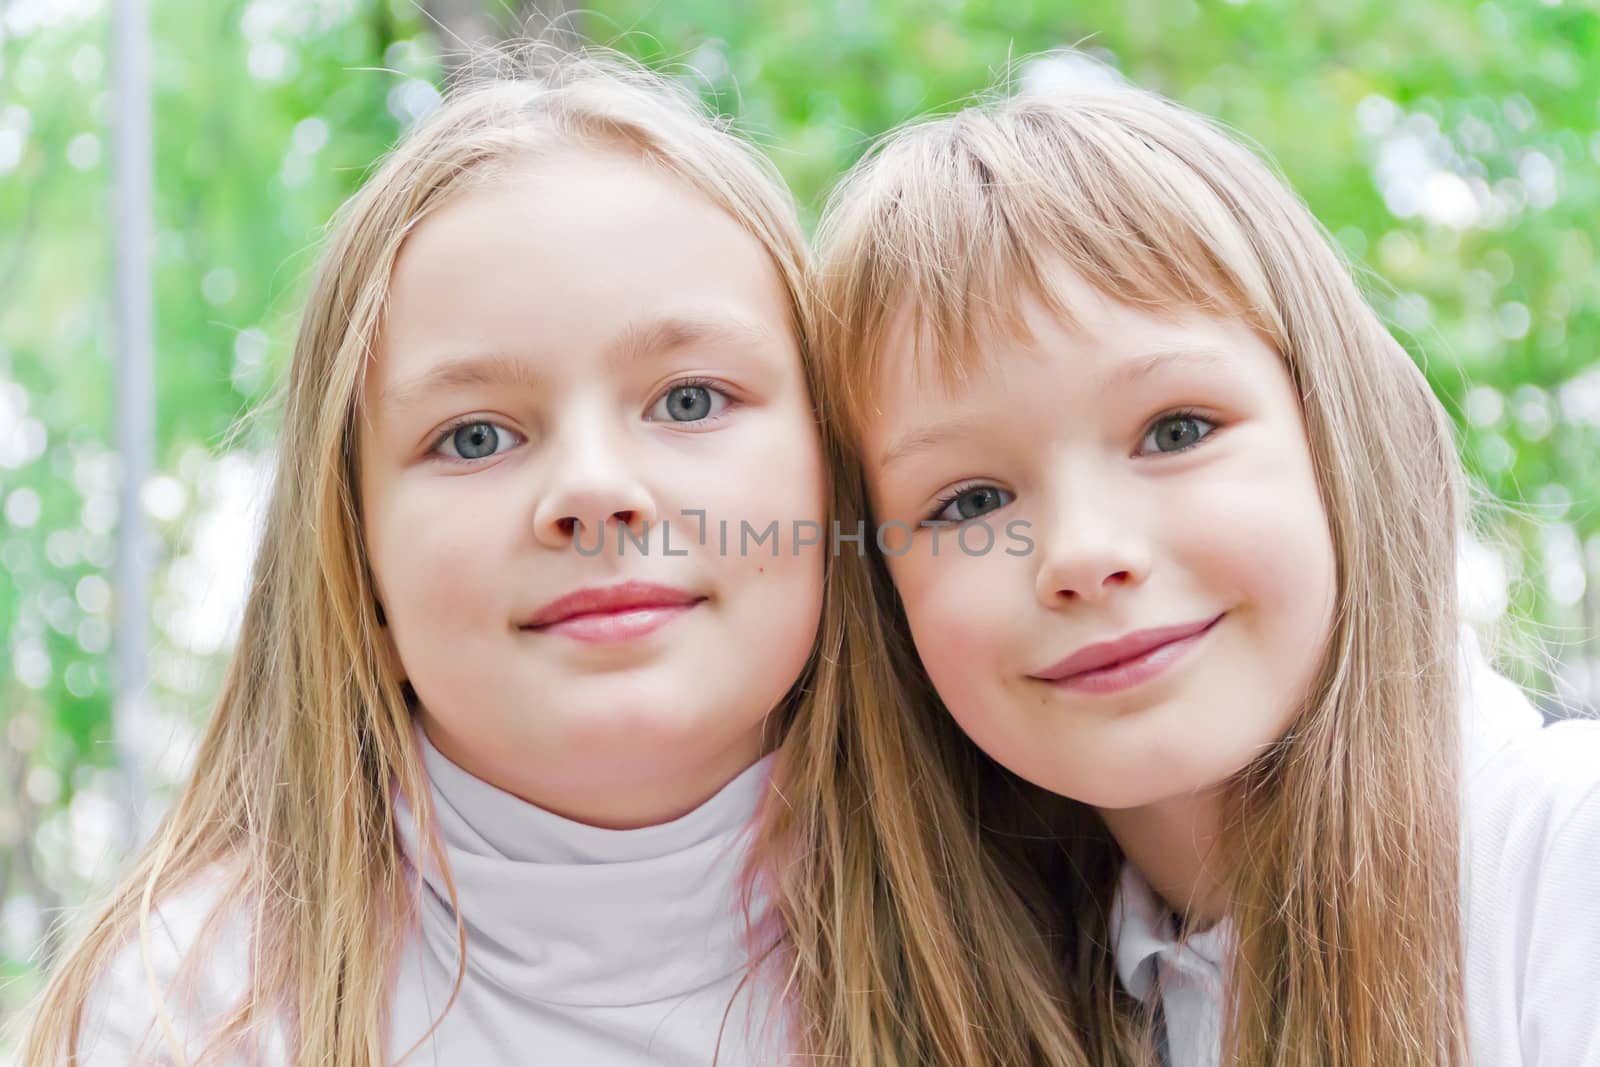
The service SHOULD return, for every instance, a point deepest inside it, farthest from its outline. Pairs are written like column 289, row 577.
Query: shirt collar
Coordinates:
column 1146, row 943
column 561, row 912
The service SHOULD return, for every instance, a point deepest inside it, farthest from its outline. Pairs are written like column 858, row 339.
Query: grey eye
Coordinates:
column 688, row 403
column 476, row 440
column 1177, row 433
column 971, row 503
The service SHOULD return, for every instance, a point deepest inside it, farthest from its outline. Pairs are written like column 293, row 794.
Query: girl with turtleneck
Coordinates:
column 501, row 715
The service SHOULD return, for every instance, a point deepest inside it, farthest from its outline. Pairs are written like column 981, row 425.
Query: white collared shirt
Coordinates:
column 1530, row 899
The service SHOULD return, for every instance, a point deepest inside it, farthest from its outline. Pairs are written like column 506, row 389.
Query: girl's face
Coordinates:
column 584, row 347
column 1160, row 585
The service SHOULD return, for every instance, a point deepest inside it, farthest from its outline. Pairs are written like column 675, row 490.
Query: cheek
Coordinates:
column 425, row 555
column 1271, row 554
column 787, row 471
column 961, row 620
column 1299, row 585
column 1275, row 561
column 758, row 488
column 770, row 473
column 1294, row 568
column 1262, row 534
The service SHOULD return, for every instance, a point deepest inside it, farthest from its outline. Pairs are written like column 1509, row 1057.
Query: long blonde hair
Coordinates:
column 1344, row 836
column 290, row 791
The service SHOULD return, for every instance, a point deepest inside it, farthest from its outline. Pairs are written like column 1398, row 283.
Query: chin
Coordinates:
column 646, row 725
column 1116, row 796
column 1120, row 784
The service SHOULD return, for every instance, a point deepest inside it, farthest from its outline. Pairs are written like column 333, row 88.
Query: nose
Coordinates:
column 1088, row 554
column 593, row 483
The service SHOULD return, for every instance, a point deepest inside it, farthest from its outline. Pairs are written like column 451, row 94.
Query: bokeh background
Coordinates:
column 1452, row 148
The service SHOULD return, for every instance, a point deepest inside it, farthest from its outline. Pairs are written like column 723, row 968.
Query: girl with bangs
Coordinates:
column 513, row 765
column 1256, row 780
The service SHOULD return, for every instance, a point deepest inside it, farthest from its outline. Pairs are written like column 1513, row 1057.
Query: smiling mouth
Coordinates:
column 612, row 614
column 1136, row 668
column 620, row 624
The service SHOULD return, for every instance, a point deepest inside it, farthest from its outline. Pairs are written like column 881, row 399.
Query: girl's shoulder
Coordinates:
column 1531, row 885
column 1533, row 793
column 1523, row 780
column 177, row 979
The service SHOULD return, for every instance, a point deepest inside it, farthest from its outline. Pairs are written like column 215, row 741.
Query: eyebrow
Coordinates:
column 635, row 342
column 1202, row 358
column 927, row 439
column 457, row 372
column 668, row 333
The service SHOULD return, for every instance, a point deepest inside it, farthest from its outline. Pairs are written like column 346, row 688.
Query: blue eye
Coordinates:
column 1178, row 431
column 474, row 440
column 970, row 502
column 689, row 402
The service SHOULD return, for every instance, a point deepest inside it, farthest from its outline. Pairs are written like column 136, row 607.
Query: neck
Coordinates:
column 617, row 796
column 1176, row 845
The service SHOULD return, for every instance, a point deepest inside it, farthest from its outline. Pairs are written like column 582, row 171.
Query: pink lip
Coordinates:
column 614, row 613
column 1127, row 661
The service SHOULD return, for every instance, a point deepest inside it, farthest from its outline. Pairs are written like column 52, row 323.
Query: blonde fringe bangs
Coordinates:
column 946, row 226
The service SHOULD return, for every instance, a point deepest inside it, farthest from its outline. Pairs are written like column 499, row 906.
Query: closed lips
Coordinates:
column 1131, row 646
column 611, row 600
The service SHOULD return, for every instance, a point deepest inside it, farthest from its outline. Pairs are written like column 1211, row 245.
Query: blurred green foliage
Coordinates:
column 1453, row 148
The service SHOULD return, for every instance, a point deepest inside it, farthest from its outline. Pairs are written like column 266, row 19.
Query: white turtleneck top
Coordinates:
column 585, row 946
column 1530, row 903
column 611, row 948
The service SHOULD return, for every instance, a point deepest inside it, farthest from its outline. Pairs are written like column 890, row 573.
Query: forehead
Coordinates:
column 546, row 205
column 921, row 361
column 561, row 253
